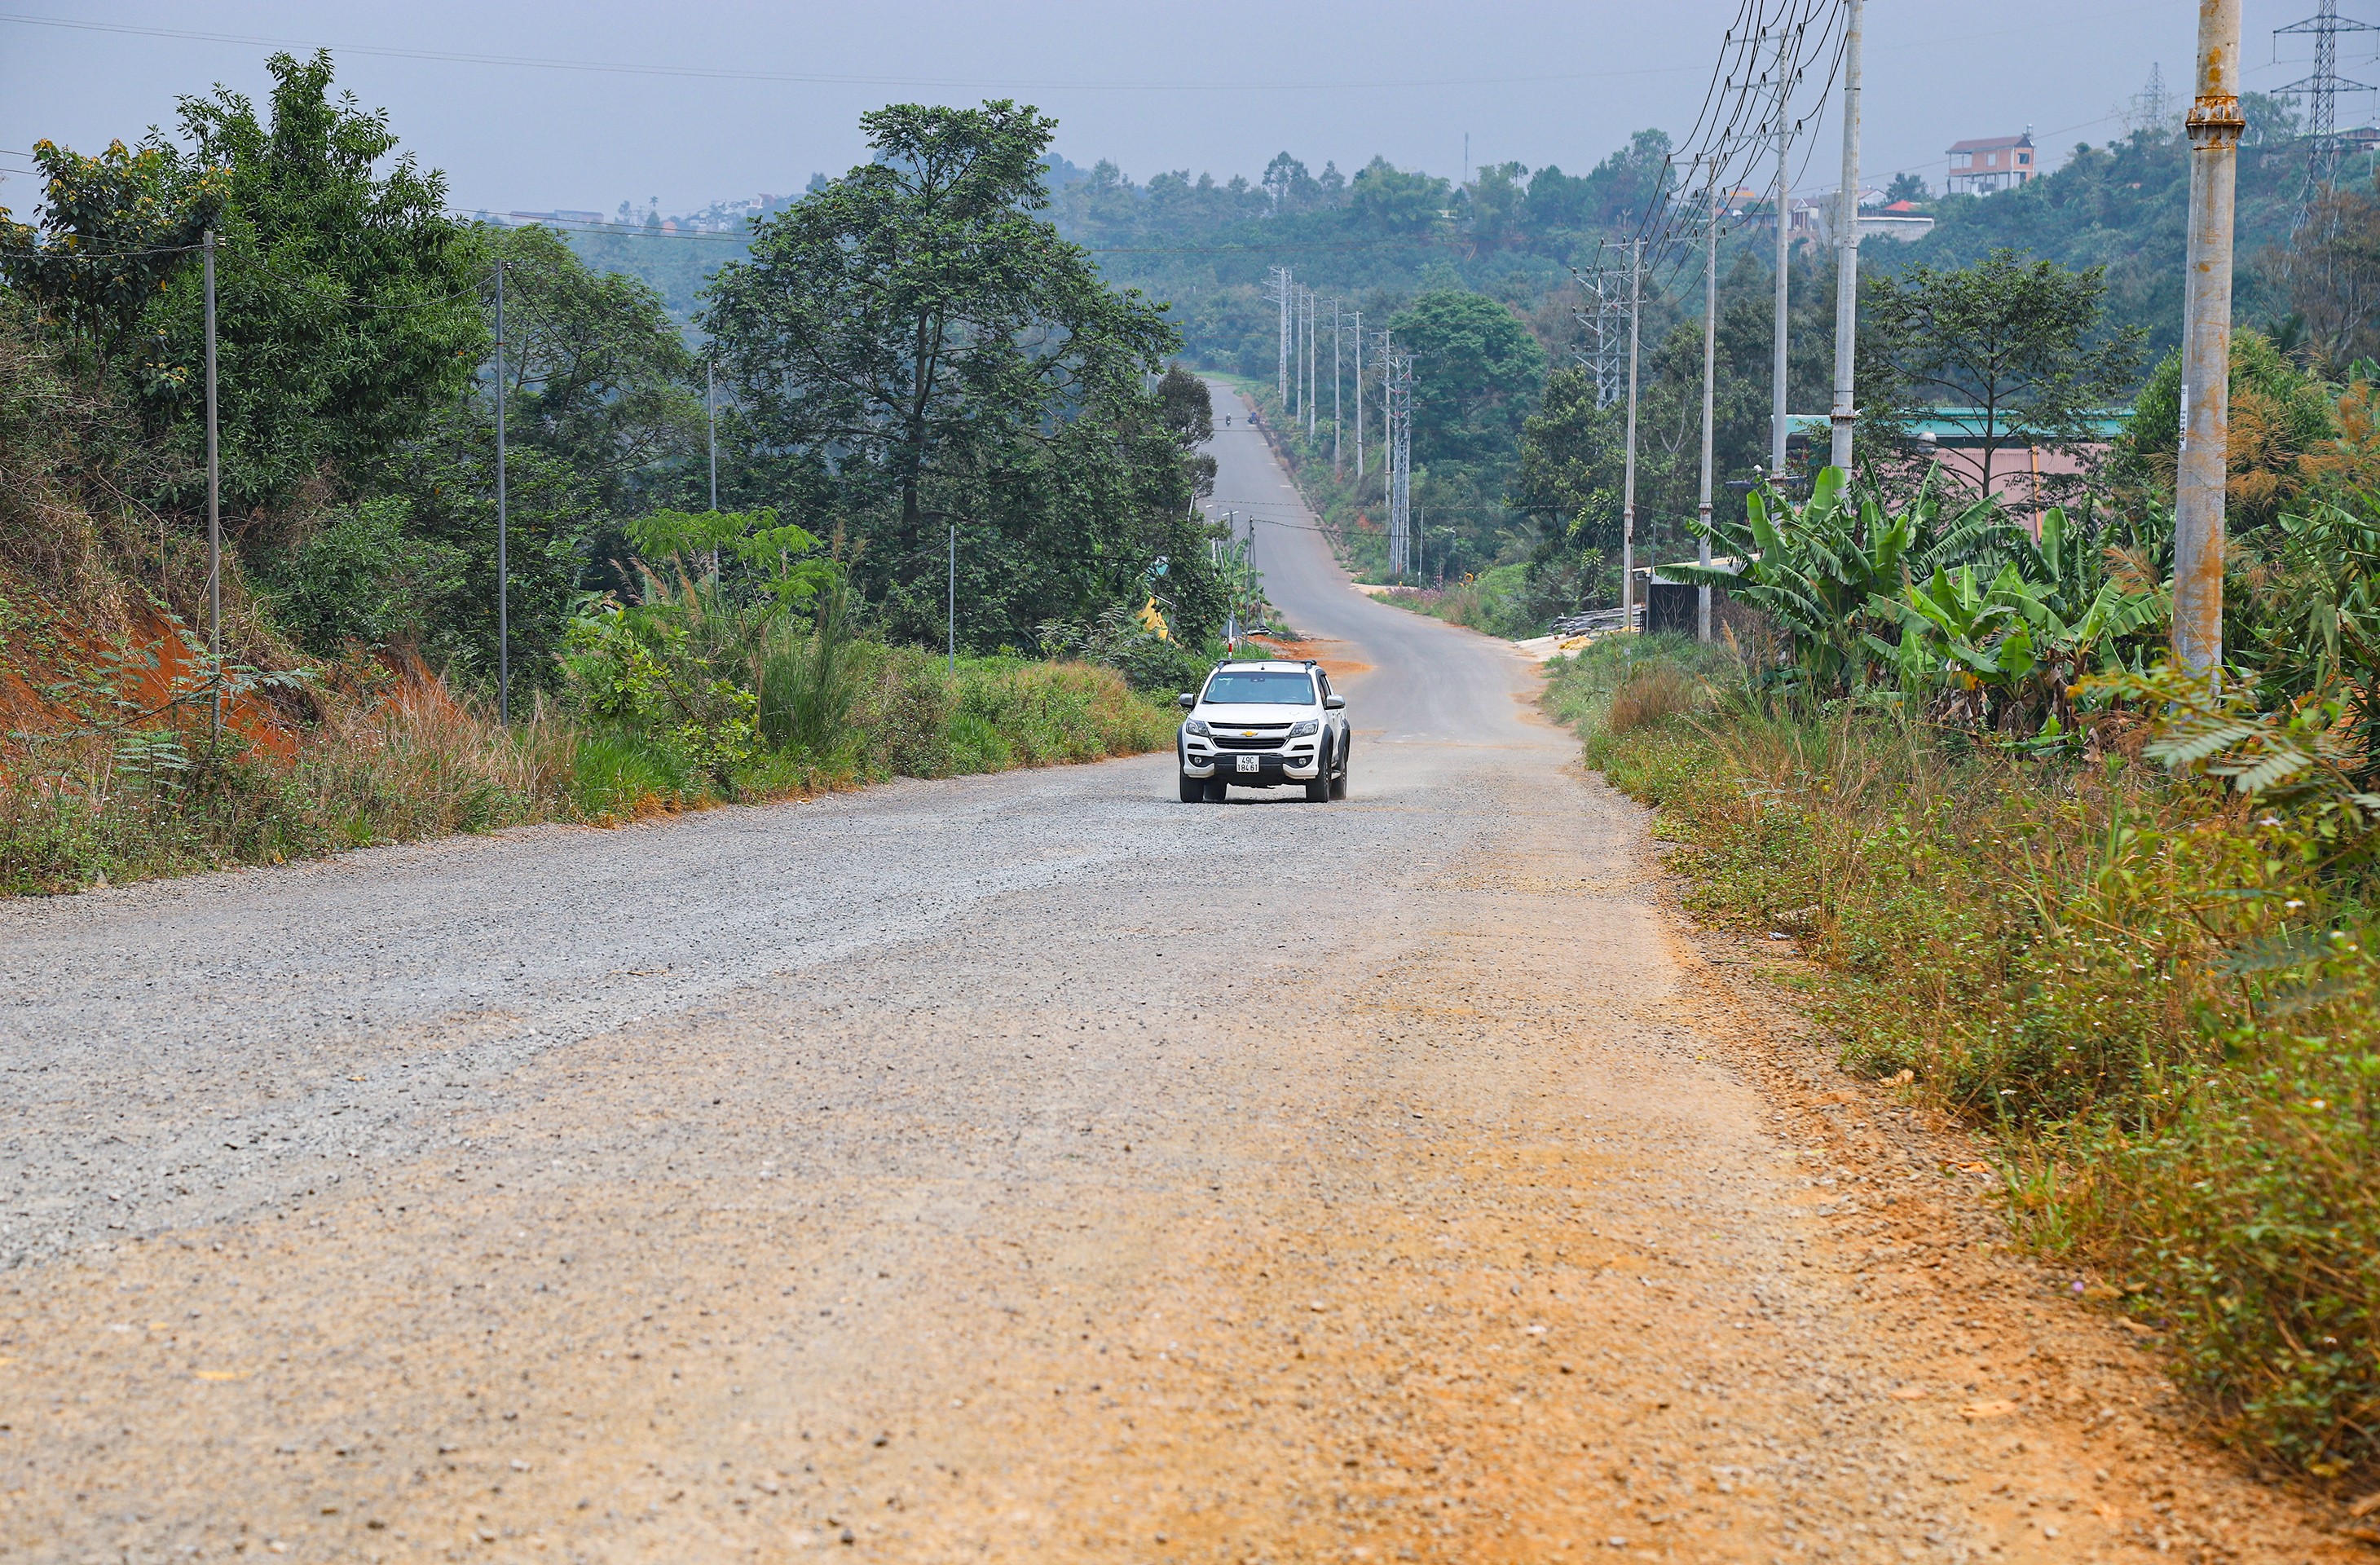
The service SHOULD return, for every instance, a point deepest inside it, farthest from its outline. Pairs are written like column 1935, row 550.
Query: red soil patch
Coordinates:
column 1329, row 653
column 43, row 673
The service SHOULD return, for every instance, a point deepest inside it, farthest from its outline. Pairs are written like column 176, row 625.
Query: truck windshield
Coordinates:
column 1261, row 687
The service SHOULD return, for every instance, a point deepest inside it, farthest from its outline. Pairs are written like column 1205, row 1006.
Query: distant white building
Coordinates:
column 1814, row 218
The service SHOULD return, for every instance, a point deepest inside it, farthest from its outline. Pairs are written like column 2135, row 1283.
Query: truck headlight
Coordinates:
column 1311, row 725
column 1195, row 725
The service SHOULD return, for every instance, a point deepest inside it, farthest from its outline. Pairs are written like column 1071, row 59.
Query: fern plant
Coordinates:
column 2306, row 756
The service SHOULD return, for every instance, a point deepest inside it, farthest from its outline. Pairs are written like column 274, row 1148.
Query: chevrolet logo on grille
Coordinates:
column 1247, row 733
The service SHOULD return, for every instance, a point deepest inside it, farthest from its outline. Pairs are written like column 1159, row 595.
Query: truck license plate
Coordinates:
column 1248, row 763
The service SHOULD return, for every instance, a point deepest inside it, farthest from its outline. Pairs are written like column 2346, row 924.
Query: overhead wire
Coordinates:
column 1742, row 115
column 722, row 73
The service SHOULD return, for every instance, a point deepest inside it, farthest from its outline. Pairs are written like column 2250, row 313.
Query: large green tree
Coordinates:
column 594, row 367
column 603, row 423
column 113, row 231
column 1391, row 200
column 1477, row 373
column 2013, row 352
column 348, row 308
column 912, row 347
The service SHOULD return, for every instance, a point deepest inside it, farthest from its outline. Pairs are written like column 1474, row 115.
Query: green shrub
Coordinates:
column 366, row 578
column 809, row 685
column 2247, row 1224
column 616, row 774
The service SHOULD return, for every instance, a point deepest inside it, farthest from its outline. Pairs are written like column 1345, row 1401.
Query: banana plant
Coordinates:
column 2009, row 651
column 1834, row 573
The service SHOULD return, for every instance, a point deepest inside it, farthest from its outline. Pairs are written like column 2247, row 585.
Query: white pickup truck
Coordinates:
column 1264, row 723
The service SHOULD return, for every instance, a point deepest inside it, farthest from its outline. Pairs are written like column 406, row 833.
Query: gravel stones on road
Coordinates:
column 1028, row 1168
column 1465, row 1209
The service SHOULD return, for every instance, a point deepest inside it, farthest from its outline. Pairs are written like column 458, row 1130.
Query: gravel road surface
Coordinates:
column 1027, row 1167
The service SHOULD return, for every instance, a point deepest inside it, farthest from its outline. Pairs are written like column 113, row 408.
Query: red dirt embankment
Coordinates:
column 60, row 675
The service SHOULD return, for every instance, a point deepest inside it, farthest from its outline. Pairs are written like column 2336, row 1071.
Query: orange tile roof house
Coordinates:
column 1991, row 162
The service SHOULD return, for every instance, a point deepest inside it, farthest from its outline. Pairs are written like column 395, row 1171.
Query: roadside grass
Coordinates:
column 2161, row 999
column 410, row 761
column 164, row 801
column 1490, row 602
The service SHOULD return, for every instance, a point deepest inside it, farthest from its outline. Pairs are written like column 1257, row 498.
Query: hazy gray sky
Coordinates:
column 1219, row 86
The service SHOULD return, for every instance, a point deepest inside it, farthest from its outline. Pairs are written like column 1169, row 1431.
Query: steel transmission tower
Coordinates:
column 2152, row 107
column 2321, row 90
column 1603, row 316
column 1396, row 395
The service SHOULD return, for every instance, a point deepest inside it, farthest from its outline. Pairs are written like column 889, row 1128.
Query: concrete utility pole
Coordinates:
column 1297, row 358
column 1628, row 483
column 1784, row 258
column 1842, row 415
column 214, row 508
column 503, row 581
column 1312, row 402
column 2215, row 126
column 1710, row 388
column 1335, row 327
column 951, row 612
column 1303, row 326
column 1359, row 390
column 1281, row 293
column 1305, row 397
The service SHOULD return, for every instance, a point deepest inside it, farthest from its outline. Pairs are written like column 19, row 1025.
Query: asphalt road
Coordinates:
column 1028, row 1168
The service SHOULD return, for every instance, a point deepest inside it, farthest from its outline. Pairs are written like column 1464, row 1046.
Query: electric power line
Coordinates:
column 719, row 73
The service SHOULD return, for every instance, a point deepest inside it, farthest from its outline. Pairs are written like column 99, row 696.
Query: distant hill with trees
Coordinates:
column 1411, row 247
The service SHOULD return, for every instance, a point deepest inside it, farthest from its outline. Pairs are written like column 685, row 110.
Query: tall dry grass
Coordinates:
column 407, row 763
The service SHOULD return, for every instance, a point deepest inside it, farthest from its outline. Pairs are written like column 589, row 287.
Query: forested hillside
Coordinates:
column 465, row 476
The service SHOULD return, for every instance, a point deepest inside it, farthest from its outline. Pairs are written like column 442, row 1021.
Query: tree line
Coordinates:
column 906, row 348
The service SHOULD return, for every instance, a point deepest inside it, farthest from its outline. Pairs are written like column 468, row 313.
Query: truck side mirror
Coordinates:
column 1185, row 701
column 1334, row 703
